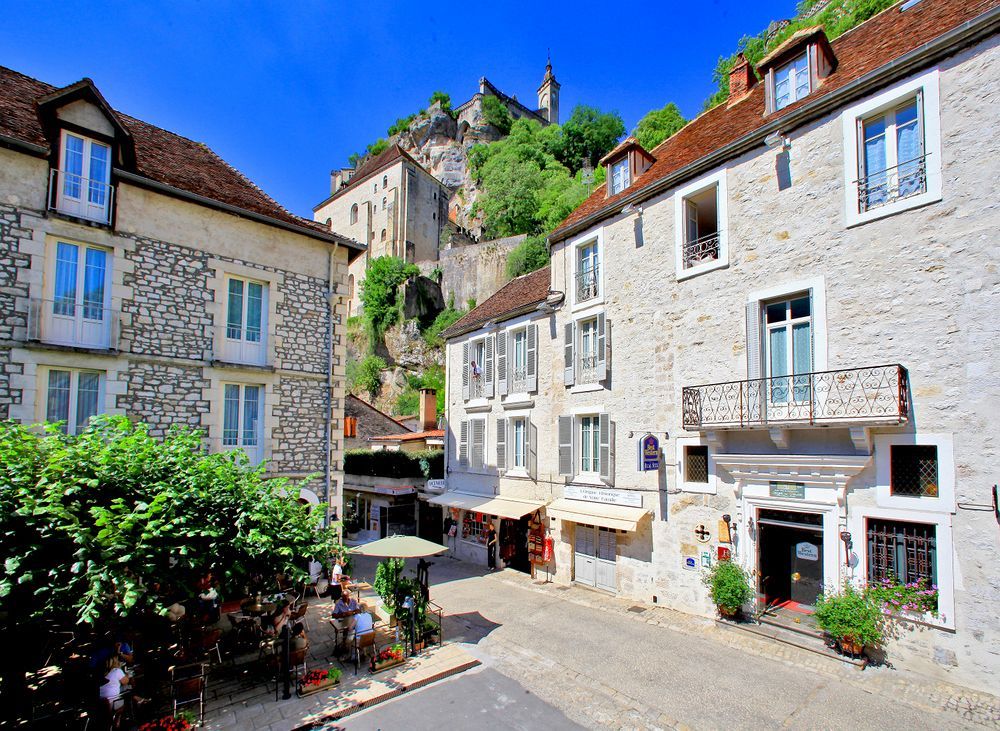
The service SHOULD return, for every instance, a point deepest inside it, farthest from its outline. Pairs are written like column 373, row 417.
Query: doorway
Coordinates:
column 594, row 557
column 514, row 543
column 790, row 558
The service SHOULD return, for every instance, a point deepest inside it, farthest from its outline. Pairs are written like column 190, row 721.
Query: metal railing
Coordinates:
column 892, row 184
column 76, row 195
column 588, row 369
column 701, row 250
column 518, row 380
column 77, row 324
column 878, row 394
column 587, row 284
column 477, row 386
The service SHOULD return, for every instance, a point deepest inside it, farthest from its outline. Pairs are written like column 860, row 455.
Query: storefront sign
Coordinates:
column 807, row 551
column 724, row 553
column 435, row 485
column 649, row 453
column 706, row 559
column 793, row 490
column 690, row 563
column 629, row 498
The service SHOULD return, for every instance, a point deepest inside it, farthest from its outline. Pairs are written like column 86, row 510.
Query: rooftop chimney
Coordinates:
column 741, row 78
column 428, row 409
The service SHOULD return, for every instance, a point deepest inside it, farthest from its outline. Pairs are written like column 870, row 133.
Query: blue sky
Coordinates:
column 285, row 91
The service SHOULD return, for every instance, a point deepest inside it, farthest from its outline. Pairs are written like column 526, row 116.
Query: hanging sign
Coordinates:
column 602, row 495
column 649, row 453
column 807, row 551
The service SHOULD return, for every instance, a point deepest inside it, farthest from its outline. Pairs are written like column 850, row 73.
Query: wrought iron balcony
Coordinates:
column 587, row 284
column 518, row 380
column 588, row 369
column 477, row 386
column 75, row 195
column 68, row 322
column 892, row 184
column 701, row 250
column 853, row 396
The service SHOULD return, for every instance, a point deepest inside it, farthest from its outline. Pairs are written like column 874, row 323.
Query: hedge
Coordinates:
column 399, row 465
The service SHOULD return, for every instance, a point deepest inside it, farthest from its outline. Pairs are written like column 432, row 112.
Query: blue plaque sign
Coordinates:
column 649, row 453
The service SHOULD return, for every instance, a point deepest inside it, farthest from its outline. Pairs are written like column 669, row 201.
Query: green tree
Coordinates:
column 588, row 134
column 400, row 125
column 496, row 114
column 528, row 256
column 445, row 99
column 658, row 125
column 380, row 305
column 91, row 524
column 367, row 376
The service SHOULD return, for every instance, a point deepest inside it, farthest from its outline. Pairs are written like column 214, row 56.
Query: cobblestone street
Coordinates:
column 605, row 662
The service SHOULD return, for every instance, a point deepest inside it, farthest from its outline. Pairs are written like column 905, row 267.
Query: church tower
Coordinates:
column 548, row 95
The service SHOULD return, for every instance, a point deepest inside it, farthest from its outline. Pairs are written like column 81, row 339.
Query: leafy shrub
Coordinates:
column 729, row 585
column 381, row 306
column 366, row 375
column 528, row 256
column 853, row 615
column 395, row 465
column 431, row 463
column 445, row 99
column 388, row 575
column 445, row 319
column 496, row 114
column 917, row 596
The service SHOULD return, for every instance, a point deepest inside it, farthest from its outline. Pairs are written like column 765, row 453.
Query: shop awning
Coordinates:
column 505, row 507
column 383, row 489
column 619, row 517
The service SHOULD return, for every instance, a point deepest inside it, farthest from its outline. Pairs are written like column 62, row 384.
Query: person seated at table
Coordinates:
column 116, row 682
column 299, row 640
column 279, row 619
column 363, row 624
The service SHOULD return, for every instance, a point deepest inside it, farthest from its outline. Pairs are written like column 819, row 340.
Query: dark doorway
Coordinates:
column 430, row 519
column 514, row 543
column 790, row 557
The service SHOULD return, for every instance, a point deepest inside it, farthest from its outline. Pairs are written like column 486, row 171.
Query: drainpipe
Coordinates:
column 330, row 295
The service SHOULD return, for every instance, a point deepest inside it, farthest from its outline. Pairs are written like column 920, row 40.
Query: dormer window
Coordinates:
column 620, row 177
column 796, row 68
column 791, row 82
column 83, row 180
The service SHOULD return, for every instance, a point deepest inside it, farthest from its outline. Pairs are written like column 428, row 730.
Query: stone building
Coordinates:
column 811, row 343
column 142, row 275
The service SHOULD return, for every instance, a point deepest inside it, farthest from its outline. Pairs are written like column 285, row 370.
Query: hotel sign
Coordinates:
column 649, row 453
column 600, row 495
column 794, row 490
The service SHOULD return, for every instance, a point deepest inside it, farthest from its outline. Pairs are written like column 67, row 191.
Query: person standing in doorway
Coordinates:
column 491, row 546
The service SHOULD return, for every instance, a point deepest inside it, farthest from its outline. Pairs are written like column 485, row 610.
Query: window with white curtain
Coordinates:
column 590, row 445
column 79, row 312
column 789, row 348
column 620, row 176
column 85, row 178
column 242, row 412
column 791, row 82
column 73, row 396
column 519, row 439
column 246, row 321
column 891, row 155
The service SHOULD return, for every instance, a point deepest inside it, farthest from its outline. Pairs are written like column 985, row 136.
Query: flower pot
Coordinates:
column 304, row 690
column 850, row 646
column 377, row 667
column 418, row 646
column 727, row 612
column 351, row 535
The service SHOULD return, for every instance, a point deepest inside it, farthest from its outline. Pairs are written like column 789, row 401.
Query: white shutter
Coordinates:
column 568, row 376
column 502, row 445
column 602, row 348
column 753, row 341
column 488, row 368
column 463, row 443
column 503, row 347
column 566, row 446
column 531, row 437
column 532, row 358
column 465, row 371
column 607, row 447
column 477, row 460
column 691, row 209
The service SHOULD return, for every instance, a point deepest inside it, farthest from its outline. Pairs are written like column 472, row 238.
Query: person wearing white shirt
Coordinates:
column 115, row 683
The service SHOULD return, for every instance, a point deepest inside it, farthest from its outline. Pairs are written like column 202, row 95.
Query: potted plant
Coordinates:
column 352, row 525
column 316, row 680
column 388, row 575
column 387, row 658
column 182, row 721
column 729, row 586
column 853, row 618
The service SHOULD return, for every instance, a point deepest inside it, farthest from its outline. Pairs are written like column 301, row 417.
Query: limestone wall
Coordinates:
column 473, row 271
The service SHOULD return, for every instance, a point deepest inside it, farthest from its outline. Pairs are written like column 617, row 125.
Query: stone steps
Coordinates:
column 801, row 638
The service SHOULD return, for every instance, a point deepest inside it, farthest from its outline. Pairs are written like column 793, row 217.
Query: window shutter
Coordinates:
column 478, row 443
column 566, row 446
column 501, row 445
column 502, row 348
column 607, row 447
column 753, row 341
column 602, row 348
column 769, row 92
column 531, row 436
column 463, row 443
column 488, row 368
column 465, row 371
column 568, row 377
column 532, row 357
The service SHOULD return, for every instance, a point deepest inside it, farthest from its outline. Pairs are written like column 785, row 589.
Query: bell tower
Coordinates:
column 548, row 95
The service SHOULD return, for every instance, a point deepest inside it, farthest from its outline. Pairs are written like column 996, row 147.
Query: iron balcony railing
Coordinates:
column 77, row 324
column 477, row 386
column 588, row 369
column 587, row 284
column 877, row 394
column 892, row 184
column 75, row 195
column 701, row 250
column 519, row 380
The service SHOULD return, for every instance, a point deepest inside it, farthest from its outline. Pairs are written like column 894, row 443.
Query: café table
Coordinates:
column 259, row 610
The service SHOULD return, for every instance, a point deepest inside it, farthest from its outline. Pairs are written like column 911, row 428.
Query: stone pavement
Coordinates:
column 609, row 662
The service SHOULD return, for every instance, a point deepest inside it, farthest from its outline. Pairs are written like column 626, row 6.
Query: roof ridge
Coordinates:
column 373, row 407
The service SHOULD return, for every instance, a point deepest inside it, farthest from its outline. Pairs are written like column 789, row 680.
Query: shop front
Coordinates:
column 378, row 511
column 592, row 519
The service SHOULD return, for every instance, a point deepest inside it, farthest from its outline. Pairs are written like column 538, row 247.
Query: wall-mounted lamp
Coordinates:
column 845, row 536
column 630, row 208
column 776, row 140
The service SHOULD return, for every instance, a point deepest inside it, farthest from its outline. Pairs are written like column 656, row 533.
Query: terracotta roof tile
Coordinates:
column 161, row 156
column 384, row 159
column 871, row 45
column 410, row 436
column 511, row 299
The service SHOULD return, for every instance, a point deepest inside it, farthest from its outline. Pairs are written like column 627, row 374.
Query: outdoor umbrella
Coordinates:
column 399, row 547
